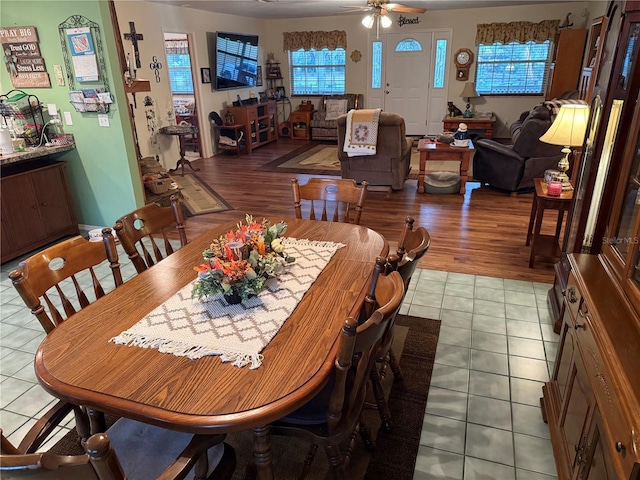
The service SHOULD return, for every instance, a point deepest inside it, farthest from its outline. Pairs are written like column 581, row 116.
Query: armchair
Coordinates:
column 327, row 129
column 513, row 167
column 392, row 161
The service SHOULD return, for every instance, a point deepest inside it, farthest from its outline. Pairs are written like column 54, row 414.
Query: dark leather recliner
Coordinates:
column 513, row 167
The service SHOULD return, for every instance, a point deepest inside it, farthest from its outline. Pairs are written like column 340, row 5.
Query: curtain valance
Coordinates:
column 316, row 40
column 488, row 33
column 177, row 47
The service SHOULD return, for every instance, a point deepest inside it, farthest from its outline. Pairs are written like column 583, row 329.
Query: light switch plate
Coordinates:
column 67, row 118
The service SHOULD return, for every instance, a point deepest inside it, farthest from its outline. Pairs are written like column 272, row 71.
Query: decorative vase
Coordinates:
column 233, row 299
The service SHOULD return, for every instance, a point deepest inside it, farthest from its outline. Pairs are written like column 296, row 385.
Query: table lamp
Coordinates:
column 568, row 130
column 469, row 92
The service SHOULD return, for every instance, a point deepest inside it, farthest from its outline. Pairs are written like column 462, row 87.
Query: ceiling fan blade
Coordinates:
column 398, row 7
column 356, row 9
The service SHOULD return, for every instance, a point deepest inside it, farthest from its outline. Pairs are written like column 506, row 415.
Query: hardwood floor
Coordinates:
column 482, row 233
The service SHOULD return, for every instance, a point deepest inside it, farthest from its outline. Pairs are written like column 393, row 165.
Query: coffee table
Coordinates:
column 431, row 150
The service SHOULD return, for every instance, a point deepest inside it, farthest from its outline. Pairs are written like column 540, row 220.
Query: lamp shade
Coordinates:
column 385, row 21
column 368, row 21
column 569, row 127
column 469, row 90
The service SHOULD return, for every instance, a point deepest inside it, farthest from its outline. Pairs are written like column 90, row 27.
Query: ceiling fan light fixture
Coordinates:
column 385, row 21
column 368, row 21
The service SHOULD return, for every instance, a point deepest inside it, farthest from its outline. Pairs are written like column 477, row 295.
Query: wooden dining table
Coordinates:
column 78, row 363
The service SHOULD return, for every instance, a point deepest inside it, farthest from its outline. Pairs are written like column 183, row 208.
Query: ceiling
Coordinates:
column 278, row 9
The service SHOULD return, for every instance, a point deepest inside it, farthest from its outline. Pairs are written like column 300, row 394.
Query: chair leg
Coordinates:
column 381, row 402
column 227, row 465
column 308, row 460
column 365, row 434
column 395, row 367
column 336, row 468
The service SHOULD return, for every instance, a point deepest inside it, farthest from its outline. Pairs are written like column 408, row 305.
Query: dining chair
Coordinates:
column 412, row 246
column 60, row 276
column 338, row 199
column 128, row 450
column 148, row 228
column 331, row 417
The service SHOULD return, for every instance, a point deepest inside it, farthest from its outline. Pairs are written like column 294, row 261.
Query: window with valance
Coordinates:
column 514, row 57
column 317, row 62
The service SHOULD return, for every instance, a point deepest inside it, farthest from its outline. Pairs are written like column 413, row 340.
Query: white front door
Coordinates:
column 406, row 74
column 407, row 86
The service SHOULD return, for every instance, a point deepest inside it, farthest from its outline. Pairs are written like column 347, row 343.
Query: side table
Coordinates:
column 236, row 136
column 546, row 245
column 180, row 131
column 430, row 150
column 301, row 124
column 474, row 123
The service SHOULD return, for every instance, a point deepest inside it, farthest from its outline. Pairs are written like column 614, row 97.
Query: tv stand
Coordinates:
column 259, row 121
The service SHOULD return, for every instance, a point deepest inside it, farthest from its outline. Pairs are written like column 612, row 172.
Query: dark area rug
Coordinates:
column 395, row 456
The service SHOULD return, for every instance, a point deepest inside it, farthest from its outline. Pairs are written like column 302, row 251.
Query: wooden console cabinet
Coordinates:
column 592, row 403
column 36, row 207
column 259, row 121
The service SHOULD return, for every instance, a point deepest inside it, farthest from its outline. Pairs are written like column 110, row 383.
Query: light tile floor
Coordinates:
column 482, row 420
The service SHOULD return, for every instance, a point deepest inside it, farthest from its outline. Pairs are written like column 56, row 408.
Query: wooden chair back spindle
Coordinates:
column 149, row 227
column 338, row 199
column 58, row 268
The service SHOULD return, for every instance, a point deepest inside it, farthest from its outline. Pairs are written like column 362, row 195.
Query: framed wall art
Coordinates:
column 205, row 75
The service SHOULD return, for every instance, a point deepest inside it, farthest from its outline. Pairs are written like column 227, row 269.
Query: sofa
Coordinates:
column 324, row 125
column 513, row 167
column 392, row 161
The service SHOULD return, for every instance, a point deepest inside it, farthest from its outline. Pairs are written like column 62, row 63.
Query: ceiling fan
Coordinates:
column 380, row 9
column 387, row 7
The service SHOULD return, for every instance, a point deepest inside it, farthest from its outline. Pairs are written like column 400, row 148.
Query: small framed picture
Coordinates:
column 205, row 75
column 280, row 93
column 274, row 72
column 263, row 96
column 259, row 76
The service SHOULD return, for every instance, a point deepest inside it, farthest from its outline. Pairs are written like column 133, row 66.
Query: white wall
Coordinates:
column 152, row 19
column 463, row 23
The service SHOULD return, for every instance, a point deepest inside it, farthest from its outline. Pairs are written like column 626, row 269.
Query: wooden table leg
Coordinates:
column 532, row 217
column 536, row 231
column 423, row 167
column 182, row 161
column 464, row 172
column 262, row 454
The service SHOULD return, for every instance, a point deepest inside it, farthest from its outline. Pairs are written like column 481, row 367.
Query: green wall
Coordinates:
column 102, row 170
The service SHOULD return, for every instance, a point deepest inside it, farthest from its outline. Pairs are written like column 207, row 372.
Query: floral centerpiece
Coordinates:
column 238, row 263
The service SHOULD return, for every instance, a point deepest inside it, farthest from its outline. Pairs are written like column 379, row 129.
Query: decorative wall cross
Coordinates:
column 155, row 65
column 134, row 37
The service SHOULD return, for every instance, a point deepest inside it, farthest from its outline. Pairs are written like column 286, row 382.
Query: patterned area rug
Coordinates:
column 322, row 159
column 415, row 343
column 198, row 197
column 395, row 456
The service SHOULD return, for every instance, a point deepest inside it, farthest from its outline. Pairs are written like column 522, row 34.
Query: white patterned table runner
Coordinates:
column 185, row 326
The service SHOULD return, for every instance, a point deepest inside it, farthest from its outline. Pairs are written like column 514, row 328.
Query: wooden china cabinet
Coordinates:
column 592, row 402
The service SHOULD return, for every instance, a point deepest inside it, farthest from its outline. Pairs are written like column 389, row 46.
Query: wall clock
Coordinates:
column 463, row 59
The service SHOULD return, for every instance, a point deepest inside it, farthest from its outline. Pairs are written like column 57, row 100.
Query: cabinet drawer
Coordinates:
column 620, row 439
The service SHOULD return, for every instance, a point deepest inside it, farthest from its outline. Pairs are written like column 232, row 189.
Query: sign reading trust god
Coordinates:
column 21, row 55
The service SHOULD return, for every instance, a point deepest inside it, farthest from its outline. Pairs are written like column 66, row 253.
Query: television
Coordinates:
column 235, row 56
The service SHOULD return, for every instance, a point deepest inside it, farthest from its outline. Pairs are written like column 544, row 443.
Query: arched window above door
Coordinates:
column 408, row 45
